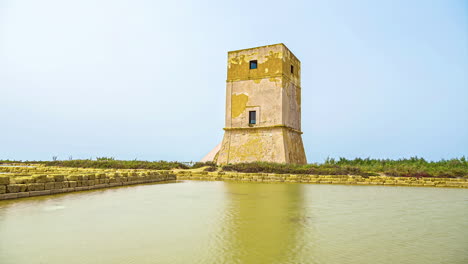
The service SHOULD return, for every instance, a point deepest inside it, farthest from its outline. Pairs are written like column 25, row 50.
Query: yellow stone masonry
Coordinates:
column 20, row 182
column 321, row 179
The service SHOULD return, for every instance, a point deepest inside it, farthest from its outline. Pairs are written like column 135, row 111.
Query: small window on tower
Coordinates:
column 252, row 117
column 292, row 69
column 253, row 64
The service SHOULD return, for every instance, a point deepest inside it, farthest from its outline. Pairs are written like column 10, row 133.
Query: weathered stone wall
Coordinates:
column 261, row 95
column 22, row 182
column 274, row 144
column 294, row 147
column 322, row 179
column 253, row 145
column 291, row 95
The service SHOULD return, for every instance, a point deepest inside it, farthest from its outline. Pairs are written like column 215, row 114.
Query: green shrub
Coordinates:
column 268, row 167
column 210, row 168
column 107, row 163
column 412, row 167
column 204, row 164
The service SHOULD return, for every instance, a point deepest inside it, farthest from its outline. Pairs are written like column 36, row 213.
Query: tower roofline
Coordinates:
column 264, row 46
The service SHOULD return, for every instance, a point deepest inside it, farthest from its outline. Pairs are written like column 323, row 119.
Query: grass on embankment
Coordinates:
column 110, row 163
column 412, row 167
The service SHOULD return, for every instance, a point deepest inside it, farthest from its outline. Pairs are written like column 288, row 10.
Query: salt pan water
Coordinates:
column 223, row 222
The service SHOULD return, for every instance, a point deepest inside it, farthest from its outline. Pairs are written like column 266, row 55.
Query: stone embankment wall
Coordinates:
column 19, row 182
column 322, row 179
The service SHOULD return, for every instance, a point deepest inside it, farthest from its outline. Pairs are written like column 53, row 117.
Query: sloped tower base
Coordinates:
column 269, row 144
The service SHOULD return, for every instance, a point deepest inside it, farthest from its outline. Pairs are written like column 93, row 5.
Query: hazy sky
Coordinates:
column 146, row 79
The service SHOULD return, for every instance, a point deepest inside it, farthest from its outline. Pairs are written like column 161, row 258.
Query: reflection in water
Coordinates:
column 222, row 222
column 262, row 223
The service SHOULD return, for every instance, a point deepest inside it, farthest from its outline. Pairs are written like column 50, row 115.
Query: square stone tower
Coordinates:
column 263, row 107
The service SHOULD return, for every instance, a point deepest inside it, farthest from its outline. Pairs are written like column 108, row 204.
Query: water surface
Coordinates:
column 220, row 222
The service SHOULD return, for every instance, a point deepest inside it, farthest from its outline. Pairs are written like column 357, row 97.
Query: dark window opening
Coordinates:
column 253, row 64
column 252, row 117
column 292, row 69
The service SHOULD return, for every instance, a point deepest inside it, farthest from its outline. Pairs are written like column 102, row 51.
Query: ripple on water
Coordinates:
column 53, row 208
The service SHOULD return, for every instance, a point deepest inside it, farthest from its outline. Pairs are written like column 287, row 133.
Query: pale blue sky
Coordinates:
column 146, row 79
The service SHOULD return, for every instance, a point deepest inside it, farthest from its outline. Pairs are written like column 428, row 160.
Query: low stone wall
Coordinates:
column 28, row 182
column 322, row 179
column 19, row 182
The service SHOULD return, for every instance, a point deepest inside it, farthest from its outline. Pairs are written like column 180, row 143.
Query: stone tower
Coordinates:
column 263, row 107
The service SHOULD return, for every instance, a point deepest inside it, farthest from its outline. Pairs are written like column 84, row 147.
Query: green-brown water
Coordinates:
column 220, row 222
